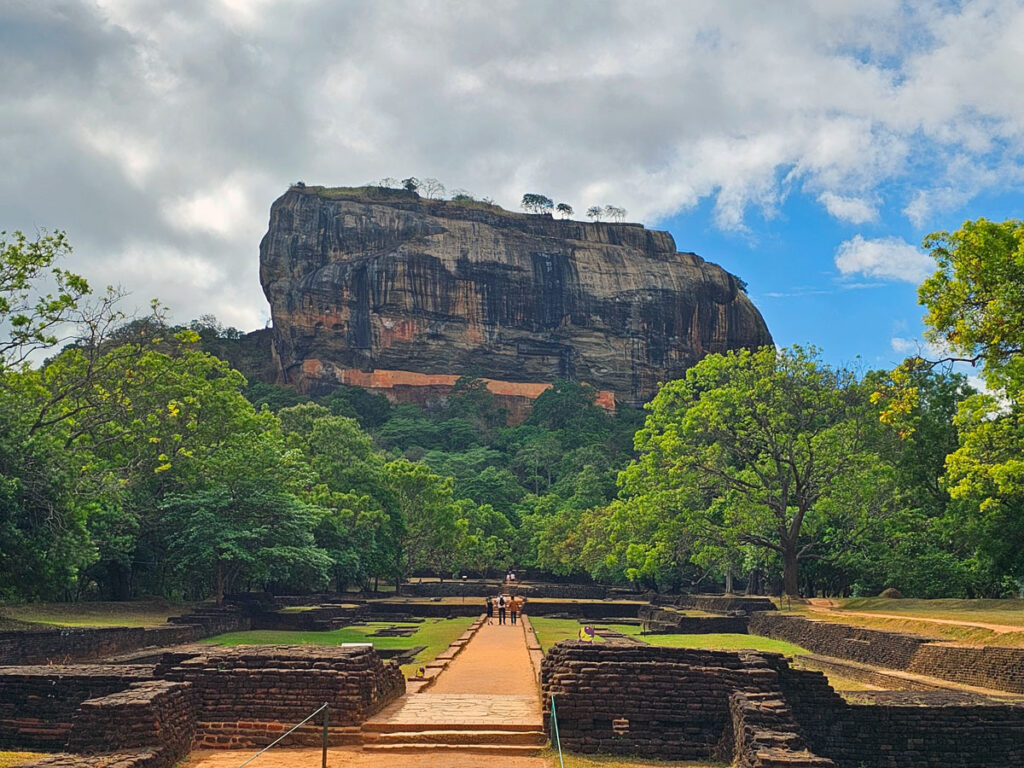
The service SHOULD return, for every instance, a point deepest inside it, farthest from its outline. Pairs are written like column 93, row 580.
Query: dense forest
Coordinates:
column 135, row 461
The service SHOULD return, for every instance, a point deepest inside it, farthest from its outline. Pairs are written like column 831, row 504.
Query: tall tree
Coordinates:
column 769, row 444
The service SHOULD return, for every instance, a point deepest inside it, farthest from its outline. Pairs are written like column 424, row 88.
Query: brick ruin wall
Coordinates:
column 38, row 703
column 716, row 603
column 156, row 713
column 668, row 621
column 479, row 589
column 987, row 667
column 676, row 703
column 243, row 697
column 63, row 645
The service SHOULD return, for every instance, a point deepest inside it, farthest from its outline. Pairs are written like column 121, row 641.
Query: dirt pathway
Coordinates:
column 820, row 605
column 495, row 661
column 354, row 757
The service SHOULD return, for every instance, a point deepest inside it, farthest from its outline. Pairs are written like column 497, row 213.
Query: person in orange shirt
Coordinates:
column 513, row 608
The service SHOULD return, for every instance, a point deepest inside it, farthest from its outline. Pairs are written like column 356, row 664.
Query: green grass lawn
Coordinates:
column 11, row 759
column 551, row 631
column 140, row 613
column 1005, row 612
column 722, row 642
column 573, row 760
column 911, row 614
column 435, row 634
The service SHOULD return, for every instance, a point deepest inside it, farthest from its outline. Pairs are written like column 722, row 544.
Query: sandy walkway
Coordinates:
column 494, row 662
column 354, row 757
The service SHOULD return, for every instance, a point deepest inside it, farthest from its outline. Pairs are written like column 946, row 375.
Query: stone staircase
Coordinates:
column 491, row 739
column 440, row 723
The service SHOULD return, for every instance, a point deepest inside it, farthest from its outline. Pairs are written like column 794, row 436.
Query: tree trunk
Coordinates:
column 728, row 581
column 790, row 577
column 220, row 584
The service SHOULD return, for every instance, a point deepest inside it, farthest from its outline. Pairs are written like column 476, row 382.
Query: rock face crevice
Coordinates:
column 413, row 286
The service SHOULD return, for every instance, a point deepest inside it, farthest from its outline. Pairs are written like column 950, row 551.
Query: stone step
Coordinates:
column 381, row 726
column 508, row 750
column 460, row 737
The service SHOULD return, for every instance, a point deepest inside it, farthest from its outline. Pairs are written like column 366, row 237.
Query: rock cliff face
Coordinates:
column 383, row 289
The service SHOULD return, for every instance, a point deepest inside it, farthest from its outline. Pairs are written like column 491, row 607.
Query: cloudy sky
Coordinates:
column 806, row 146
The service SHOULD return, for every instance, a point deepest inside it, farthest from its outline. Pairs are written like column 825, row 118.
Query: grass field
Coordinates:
column 142, row 613
column 11, row 759
column 435, row 634
column 551, row 631
column 911, row 617
column 573, row 760
column 1005, row 612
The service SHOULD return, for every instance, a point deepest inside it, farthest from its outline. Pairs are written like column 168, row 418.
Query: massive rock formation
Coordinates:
column 383, row 289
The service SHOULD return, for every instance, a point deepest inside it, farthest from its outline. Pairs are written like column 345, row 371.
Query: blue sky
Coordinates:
column 806, row 146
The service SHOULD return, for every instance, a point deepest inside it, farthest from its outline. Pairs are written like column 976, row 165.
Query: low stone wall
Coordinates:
column 63, row 645
column 246, row 696
column 669, row 703
column 663, row 620
column 676, row 703
column 157, row 713
column 717, row 603
column 482, row 589
column 766, row 734
column 992, row 667
column 38, row 703
column 866, row 673
column 870, row 646
column 987, row 667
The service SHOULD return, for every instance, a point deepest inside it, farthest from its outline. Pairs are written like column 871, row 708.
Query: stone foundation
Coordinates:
column 677, row 703
column 669, row 621
column 245, row 695
column 64, row 645
column 998, row 668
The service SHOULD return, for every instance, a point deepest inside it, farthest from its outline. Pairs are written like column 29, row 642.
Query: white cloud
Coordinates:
column 177, row 123
column 852, row 209
column 887, row 258
column 918, row 348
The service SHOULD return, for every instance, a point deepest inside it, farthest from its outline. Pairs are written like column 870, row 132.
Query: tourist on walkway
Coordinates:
column 490, row 609
column 502, row 602
column 513, row 608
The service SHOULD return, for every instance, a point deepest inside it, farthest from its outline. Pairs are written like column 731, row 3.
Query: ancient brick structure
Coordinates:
column 680, row 703
column 988, row 667
column 667, row 620
column 243, row 695
column 870, row 646
column 38, row 703
column 63, row 645
column 154, row 713
column 727, row 604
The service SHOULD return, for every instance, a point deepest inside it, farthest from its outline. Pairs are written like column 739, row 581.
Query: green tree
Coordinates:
column 244, row 521
column 769, row 444
column 424, row 501
column 974, row 302
column 533, row 203
column 976, row 309
column 30, row 317
column 564, row 210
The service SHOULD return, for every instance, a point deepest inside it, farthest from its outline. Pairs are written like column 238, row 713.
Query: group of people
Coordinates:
column 511, row 606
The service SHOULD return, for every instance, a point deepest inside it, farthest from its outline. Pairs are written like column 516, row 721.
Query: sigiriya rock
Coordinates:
column 386, row 290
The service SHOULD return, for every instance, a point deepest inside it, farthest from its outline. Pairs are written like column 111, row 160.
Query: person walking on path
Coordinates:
column 513, row 608
column 502, row 602
column 490, row 609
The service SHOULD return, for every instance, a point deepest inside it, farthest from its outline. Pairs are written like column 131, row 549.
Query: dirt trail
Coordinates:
column 821, row 605
column 495, row 661
column 354, row 757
